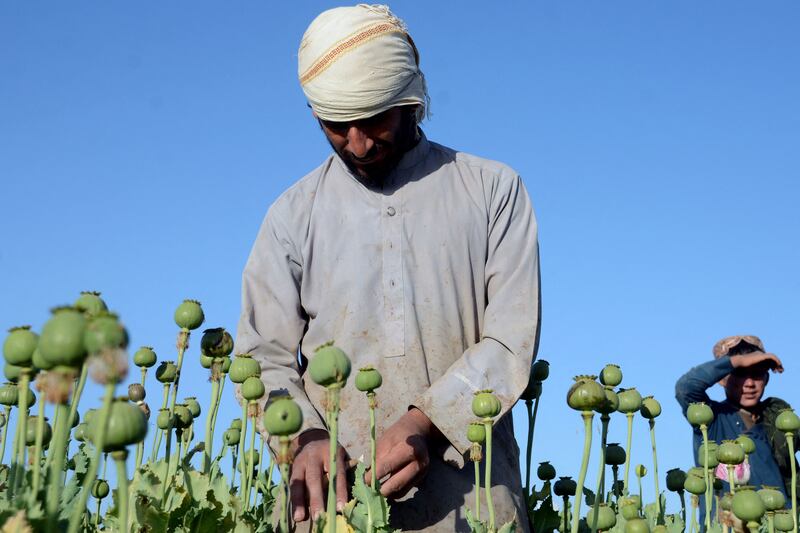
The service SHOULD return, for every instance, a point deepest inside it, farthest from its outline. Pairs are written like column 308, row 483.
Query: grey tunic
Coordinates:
column 433, row 278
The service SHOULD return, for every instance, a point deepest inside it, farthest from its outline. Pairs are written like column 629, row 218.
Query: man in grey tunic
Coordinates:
column 417, row 259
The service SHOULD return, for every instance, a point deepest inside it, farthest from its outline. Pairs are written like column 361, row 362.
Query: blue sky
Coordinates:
column 141, row 144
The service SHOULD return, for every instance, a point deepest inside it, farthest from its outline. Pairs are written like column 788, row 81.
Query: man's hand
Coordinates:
column 755, row 358
column 309, row 481
column 403, row 453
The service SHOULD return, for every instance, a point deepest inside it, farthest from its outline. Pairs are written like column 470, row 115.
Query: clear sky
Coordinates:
column 142, row 143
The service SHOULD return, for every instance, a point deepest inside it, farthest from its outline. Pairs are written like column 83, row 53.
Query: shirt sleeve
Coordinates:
column 692, row 386
column 272, row 321
column 502, row 358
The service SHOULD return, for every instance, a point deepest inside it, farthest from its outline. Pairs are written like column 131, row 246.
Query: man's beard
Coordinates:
column 407, row 137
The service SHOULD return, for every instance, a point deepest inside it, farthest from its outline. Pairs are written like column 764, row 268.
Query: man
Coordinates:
column 741, row 366
column 415, row 258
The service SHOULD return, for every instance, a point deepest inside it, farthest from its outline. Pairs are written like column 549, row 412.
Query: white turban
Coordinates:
column 356, row 62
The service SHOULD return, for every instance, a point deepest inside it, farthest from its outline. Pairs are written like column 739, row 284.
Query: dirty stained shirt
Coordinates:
column 431, row 276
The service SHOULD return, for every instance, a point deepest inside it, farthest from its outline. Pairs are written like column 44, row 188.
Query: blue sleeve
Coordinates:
column 692, row 386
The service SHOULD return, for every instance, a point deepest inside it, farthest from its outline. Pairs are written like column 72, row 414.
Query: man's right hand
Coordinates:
column 308, row 485
column 753, row 359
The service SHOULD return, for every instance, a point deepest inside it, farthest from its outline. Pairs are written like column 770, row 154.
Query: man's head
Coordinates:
column 359, row 70
column 745, row 385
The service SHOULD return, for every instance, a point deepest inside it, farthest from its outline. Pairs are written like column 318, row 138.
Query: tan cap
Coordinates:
column 724, row 346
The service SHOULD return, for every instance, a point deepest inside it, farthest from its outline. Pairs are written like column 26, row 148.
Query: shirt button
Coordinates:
column 390, row 211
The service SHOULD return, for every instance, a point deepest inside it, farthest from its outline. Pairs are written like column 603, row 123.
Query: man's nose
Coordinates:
column 358, row 143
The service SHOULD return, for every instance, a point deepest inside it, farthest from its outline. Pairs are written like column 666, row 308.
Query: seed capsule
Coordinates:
column 189, row 315
column 730, row 453
column 585, row 394
column 787, row 421
column 216, row 342
column 650, row 408
column 145, row 357
column 675, row 479
column 629, row 400
column 136, row 392
column 615, row 454
column 283, row 417
column 485, row 404
column 253, row 388
column 368, row 379
column 699, row 414
column 243, row 367
column 476, row 432
column 611, row 375
column 565, row 486
column 19, row 346
column 546, row 471
column 329, row 366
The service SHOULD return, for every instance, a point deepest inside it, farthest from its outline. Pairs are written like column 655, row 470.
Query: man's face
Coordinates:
column 372, row 147
column 745, row 386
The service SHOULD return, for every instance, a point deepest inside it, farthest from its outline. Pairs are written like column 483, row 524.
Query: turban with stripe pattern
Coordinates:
column 356, row 62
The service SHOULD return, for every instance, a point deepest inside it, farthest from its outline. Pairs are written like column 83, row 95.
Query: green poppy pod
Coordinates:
column 712, row 454
column 89, row 415
column 243, row 367
column 193, row 405
column 189, row 315
column 565, row 486
column 630, row 507
column 611, row 375
column 699, row 414
column 12, row 372
column 787, row 421
column 660, row 528
column 630, row 400
column 145, row 357
column 104, row 331
column 615, row 454
column 532, row 392
column 585, row 394
column 231, row 437
column 80, row 433
column 746, row 443
column 226, row 364
column 90, row 303
column 216, row 342
column 540, row 370
column 694, row 484
column 606, row 518
column 40, row 362
column 476, row 432
column 730, row 453
column 546, row 471
column 31, row 398
column 485, row 404
column 100, row 489
column 248, row 455
column 637, row 525
column 9, row 394
column 163, row 419
column 30, row 432
column 772, row 497
column 650, row 408
column 136, row 392
column 368, row 379
column 61, row 342
column 236, row 423
column 641, row 471
column 283, row 417
column 675, row 479
column 183, row 416
column 127, row 425
column 783, row 520
column 747, row 505
column 167, row 372
column 253, row 388
column 19, row 346
column 610, row 404
column 206, row 361
column 726, row 502
column 329, row 366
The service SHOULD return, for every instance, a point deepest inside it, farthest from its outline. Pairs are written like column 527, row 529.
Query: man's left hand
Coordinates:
column 403, row 453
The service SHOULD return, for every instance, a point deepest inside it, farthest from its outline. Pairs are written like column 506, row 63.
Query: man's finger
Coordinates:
column 297, row 491
column 314, row 484
column 341, row 480
column 399, row 483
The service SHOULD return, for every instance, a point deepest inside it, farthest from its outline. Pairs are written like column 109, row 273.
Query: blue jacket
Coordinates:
column 728, row 423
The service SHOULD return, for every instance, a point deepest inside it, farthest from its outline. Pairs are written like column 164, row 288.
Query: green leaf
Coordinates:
column 370, row 504
column 508, row 527
column 545, row 518
column 588, row 496
column 475, row 525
